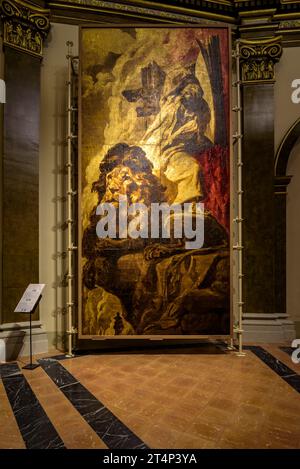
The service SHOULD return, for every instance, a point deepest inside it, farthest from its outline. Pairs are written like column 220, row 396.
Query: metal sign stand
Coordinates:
column 32, row 366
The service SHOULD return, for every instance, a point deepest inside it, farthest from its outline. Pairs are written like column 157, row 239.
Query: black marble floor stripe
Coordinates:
column 108, row 427
column 286, row 373
column 8, row 369
column 35, row 427
column 288, row 350
column 63, row 357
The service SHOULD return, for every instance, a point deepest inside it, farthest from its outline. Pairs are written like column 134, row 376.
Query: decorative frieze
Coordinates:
column 25, row 27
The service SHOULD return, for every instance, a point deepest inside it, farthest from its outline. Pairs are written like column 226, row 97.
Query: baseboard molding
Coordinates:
column 258, row 328
column 268, row 328
column 14, row 340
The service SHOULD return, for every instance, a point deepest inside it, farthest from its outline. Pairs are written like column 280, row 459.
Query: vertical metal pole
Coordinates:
column 30, row 365
column 30, row 339
column 70, row 303
column 239, row 219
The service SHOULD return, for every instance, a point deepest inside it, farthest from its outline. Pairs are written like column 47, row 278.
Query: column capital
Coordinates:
column 258, row 58
column 25, row 26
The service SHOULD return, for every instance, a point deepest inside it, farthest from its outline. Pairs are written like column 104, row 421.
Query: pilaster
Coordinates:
column 25, row 27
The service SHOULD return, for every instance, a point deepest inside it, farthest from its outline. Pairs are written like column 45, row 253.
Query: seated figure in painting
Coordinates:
column 177, row 136
column 137, row 286
column 124, row 171
column 187, row 147
column 191, row 168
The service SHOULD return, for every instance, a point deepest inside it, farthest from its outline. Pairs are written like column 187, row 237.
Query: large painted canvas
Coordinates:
column 154, row 181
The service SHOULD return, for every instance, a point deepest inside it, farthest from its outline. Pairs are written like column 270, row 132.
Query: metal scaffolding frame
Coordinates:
column 71, row 198
column 238, row 220
column 72, row 137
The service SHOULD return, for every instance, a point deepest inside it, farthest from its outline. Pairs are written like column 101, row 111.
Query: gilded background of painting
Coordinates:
column 154, row 120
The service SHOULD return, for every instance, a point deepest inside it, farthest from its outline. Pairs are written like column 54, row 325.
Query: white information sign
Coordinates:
column 29, row 298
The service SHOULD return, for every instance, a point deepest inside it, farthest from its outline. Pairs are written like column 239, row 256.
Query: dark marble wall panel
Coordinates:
column 20, row 232
column 280, row 253
column 258, row 201
column 1, row 157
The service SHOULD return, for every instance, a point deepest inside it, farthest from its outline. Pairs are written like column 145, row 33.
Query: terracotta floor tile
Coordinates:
column 229, row 444
column 215, row 416
column 279, row 437
column 63, row 415
column 176, row 421
column 191, row 441
column 282, row 420
column 175, row 400
column 208, row 431
column 222, row 404
column 162, row 437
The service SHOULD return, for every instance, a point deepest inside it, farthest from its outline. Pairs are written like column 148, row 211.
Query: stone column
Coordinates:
column 261, row 322
column 24, row 29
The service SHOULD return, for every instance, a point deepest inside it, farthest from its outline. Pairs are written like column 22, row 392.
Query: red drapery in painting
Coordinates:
column 215, row 164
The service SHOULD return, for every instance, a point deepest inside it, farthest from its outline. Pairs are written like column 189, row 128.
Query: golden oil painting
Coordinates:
column 154, row 179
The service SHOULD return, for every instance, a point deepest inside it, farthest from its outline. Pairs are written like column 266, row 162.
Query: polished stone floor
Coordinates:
column 192, row 397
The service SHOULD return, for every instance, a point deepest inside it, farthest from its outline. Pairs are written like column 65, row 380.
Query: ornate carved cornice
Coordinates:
column 162, row 11
column 258, row 59
column 25, row 26
column 251, row 18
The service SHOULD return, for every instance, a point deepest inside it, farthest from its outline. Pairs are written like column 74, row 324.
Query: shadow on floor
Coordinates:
column 156, row 347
